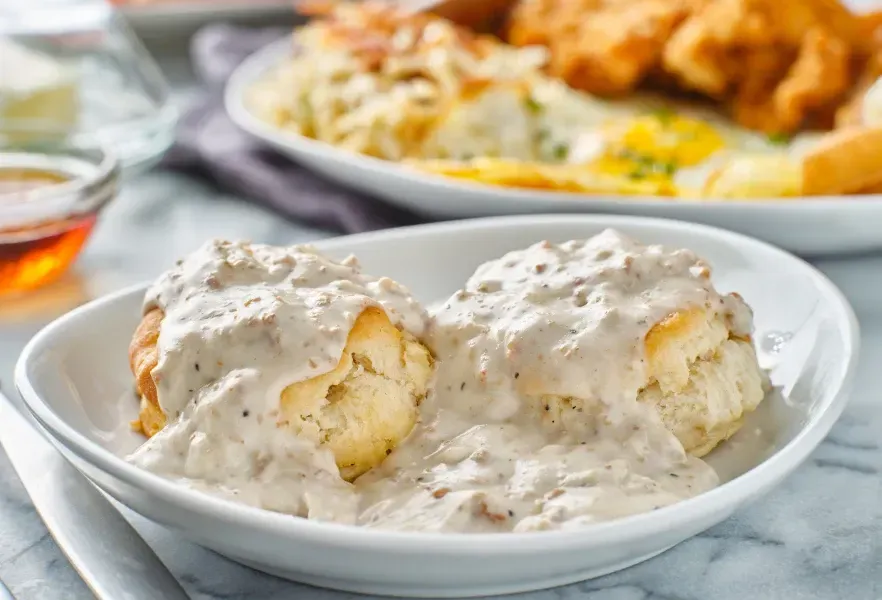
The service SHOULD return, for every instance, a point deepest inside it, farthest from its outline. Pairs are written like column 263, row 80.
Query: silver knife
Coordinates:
column 107, row 552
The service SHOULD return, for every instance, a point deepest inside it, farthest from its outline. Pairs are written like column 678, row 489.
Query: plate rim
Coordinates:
column 203, row 10
column 728, row 496
column 269, row 57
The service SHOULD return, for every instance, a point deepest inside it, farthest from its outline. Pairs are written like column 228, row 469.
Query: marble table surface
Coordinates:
column 817, row 536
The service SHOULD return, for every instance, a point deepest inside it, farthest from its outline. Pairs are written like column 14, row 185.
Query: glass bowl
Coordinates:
column 77, row 65
column 52, row 188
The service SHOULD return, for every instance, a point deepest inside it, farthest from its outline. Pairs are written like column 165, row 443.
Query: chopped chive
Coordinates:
column 664, row 115
column 561, row 151
column 778, row 139
column 532, row 105
column 668, row 168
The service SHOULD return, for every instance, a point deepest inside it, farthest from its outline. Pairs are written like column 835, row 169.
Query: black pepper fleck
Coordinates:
column 196, row 366
column 510, row 512
column 462, row 386
column 245, row 413
column 517, row 375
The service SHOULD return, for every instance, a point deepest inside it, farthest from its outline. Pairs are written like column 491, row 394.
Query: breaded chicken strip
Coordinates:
column 817, row 78
column 780, row 61
column 600, row 46
column 850, row 113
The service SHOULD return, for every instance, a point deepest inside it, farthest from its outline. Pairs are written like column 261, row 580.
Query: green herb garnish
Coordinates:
column 561, row 151
column 778, row 139
column 646, row 164
column 668, row 168
column 638, row 173
column 664, row 115
column 532, row 105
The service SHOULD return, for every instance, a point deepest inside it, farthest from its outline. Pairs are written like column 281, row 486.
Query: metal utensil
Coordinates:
column 5, row 594
column 104, row 549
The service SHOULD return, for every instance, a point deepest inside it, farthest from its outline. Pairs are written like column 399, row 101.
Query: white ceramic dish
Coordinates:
column 75, row 379
column 809, row 226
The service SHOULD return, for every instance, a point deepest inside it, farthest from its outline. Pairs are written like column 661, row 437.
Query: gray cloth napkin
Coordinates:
column 209, row 144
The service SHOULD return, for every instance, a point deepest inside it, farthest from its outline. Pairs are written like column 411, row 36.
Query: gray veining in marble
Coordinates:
column 818, row 536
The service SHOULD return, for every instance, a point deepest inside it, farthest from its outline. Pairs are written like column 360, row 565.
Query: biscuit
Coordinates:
column 360, row 410
column 701, row 380
column 369, row 403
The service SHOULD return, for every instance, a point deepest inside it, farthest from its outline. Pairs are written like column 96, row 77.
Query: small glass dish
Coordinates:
column 77, row 65
column 52, row 188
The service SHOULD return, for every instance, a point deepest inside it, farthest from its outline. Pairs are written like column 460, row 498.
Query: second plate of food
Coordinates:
column 469, row 408
column 432, row 118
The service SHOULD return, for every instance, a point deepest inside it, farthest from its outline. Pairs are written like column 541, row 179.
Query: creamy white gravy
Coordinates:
column 492, row 451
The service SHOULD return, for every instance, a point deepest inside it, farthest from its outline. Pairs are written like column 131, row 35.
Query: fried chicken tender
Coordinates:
column 850, row 113
column 600, row 46
column 818, row 76
column 779, row 62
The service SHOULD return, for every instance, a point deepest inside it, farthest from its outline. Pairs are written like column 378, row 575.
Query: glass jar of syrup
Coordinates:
column 51, row 192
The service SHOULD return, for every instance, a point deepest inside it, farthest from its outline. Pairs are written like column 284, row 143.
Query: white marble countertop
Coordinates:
column 819, row 535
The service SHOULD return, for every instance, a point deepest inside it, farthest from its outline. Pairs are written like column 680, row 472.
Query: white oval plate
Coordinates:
column 810, row 226
column 75, row 379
